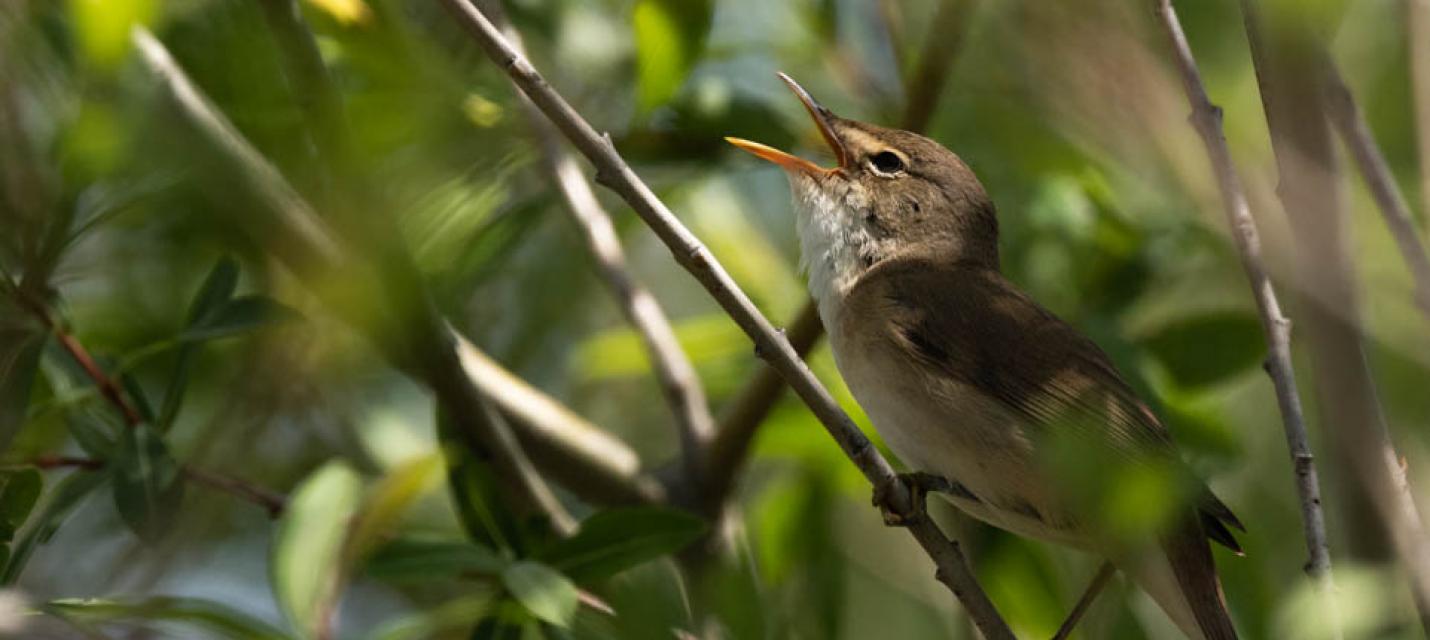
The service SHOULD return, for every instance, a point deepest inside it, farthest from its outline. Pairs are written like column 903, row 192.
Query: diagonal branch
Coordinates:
column 1355, row 133
column 612, row 171
column 677, row 377
column 1206, row 118
column 273, row 503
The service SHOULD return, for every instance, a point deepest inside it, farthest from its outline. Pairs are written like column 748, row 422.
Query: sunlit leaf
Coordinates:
column 148, row 483
column 543, row 591
column 451, row 616
column 618, row 539
column 307, row 552
column 669, row 35
column 345, row 11
column 389, row 499
column 102, row 26
column 213, row 618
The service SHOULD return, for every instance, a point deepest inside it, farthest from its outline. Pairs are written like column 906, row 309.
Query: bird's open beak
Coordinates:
column 823, row 118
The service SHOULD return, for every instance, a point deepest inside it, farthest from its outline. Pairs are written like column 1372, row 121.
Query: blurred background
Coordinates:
column 1069, row 113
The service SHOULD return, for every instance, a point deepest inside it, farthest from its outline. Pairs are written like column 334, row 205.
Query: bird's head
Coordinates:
column 891, row 193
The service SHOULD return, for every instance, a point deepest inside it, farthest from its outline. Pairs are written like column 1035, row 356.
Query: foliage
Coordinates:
column 143, row 249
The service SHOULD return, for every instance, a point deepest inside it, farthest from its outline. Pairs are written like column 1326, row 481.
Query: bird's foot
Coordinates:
column 900, row 513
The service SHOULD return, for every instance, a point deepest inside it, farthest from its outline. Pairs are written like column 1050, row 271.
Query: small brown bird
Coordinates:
column 969, row 379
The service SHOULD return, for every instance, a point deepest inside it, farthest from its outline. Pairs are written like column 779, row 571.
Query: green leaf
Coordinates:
column 670, row 35
column 19, row 361
column 91, row 435
column 1202, row 350
column 392, row 496
column 307, row 554
column 449, row 617
column 217, row 619
column 218, row 288
column 416, row 559
column 543, row 591
column 618, row 539
column 66, row 495
column 236, row 316
column 148, row 483
column 476, row 493
column 17, row 499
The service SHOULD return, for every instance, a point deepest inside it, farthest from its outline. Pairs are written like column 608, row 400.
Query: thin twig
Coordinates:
column 1417, row 24
column 1292, row 71
column 676, row 376
column 1206, row 118
column 106, row 384
column 1355, row 133
column 305, row 243
column 613, row 172
column 1099, row 582
column 945, row 37
column 273, row 503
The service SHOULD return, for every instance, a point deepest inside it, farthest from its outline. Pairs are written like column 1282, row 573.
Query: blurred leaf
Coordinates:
column 389, row 500
column 451, row 616
column 421, row 560
column 137, row 396
column 619, row 352
column 1201, row 350
column 17, row 499
column 62, row 499
column 307, row 552
column 344, row 11
column 217, row 289
column 669, row 35
column 216, row 619
column 617, row 539
column 89, row 432
column 19, row 361
column 543, row 591
column 148, row 483
column 238, row 315
column 102, row 26
column 475, row 493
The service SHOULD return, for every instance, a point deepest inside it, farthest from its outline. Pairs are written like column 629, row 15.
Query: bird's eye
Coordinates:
column 887, row 163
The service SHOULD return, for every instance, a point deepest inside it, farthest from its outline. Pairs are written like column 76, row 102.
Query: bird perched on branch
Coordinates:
column 971, row 381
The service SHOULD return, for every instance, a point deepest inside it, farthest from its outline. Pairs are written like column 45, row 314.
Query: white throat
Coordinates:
column 836, row 244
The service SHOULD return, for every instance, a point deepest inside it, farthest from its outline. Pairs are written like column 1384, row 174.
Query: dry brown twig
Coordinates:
column 613, row 172
column 1206, row 118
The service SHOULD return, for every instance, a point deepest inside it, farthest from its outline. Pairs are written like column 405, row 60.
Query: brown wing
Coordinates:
column 975, row 326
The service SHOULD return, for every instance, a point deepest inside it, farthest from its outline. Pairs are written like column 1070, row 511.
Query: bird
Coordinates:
column 969, row 380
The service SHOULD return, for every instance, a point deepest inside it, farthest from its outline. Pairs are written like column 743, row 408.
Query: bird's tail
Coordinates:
column 1182, row 580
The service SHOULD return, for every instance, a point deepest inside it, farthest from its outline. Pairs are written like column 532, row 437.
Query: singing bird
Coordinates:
column 970, row 380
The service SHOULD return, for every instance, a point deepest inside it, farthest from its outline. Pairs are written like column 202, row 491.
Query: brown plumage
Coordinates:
column 968, row 378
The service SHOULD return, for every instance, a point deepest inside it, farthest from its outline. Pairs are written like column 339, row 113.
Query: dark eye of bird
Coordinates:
column 887, row 162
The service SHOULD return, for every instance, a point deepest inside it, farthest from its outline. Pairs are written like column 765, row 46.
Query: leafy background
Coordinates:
column 1069, row 115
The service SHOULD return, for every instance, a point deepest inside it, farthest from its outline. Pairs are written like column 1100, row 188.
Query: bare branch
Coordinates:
column 1417, row 23
column 613, row 172
column 941, row 45
column 677, row 377
column 273, row 503
column 1094, row 588
column 1206, row 118
column 1355, row 133
column 308, row 247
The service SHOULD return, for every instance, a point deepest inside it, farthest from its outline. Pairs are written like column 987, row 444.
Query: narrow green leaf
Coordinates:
column 307, row 553
column 19, row 361
column 63, row 499
column 138, row 397
column 148, row 483
column 391, row 498
column 416, row 559
column 475, row 493
column 17, row 499
column 236, row 316
column 543, row 591
column 448, row 617
column 91, row 434
column 618, row 539
column 217, row 619
column 218, row 288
